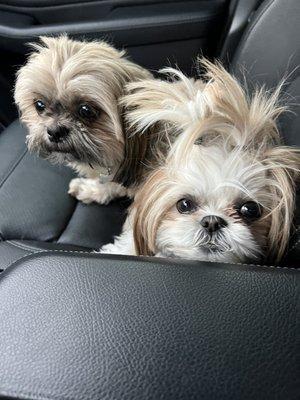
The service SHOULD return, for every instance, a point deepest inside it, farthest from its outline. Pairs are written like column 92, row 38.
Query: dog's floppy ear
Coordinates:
column 150, row 206
column 123, row 71
column 135, row 150
column 283, row 171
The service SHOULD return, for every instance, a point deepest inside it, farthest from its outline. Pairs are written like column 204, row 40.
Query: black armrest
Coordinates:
column 86, row 326
column 130, row 23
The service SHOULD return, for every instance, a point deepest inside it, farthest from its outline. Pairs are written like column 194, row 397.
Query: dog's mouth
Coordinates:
column 212, row 247
column 66, row 147
column 63, row 150
column 61, row 147
column 66, row 151
column 213, row 243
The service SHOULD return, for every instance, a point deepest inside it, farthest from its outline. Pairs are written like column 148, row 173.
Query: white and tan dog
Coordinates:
column 226, row 191
column 68, row 95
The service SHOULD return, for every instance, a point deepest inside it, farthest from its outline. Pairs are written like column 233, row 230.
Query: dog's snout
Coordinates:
column 57, row 134
column 213, row 223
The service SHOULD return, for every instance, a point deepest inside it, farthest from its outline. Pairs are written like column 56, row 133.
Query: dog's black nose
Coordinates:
column 213, row 223
column 57, row 134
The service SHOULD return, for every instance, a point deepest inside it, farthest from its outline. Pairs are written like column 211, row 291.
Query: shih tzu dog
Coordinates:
column 68, row 95
column 226, row 191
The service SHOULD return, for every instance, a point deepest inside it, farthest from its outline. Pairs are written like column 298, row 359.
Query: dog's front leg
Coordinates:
column 123, row 244
column 92, row 190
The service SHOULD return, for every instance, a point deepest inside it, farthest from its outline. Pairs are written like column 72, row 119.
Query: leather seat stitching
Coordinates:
column 97, row 254
column 24, row 247
column 34, row 250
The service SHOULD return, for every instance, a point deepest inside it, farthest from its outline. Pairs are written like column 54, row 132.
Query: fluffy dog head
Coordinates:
column 226, row 190
column 68, row 93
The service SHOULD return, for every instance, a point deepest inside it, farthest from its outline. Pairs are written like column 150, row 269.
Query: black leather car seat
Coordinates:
column 35, row 209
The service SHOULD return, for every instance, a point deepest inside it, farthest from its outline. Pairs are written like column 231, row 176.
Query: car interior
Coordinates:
column 76, row 324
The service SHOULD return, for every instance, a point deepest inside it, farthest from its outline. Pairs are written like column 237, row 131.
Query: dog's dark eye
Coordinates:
column 186, row 206
column 250, row 210
column 39, row 105
column 86, row 111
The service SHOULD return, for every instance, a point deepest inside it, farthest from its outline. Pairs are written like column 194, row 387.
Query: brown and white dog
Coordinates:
column 226, row 191
column 68, row 95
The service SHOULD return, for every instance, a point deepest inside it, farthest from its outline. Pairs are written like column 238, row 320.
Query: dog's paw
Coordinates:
column 82, row 190
column 91, row 190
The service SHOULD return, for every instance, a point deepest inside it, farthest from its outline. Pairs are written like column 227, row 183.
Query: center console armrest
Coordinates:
column 87, row 326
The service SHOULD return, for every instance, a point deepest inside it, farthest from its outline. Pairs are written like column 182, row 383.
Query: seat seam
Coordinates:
column 24, row 246
column 34, row 396
column 67, row 224
column 212, row 262
column 34, row 250
column 10, row 171
column 13, row 167
column 16, row 261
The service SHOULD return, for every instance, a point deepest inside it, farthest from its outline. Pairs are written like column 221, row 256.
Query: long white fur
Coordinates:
column 239, row 156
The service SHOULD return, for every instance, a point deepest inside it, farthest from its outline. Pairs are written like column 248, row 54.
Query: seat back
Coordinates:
column 268, row 52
